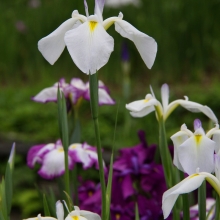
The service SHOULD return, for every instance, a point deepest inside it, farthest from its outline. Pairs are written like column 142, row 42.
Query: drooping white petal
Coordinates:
column 143, row 112
column 59, row 210
column 165, row 96
column 89, row 45
column 187, row 185
column 99, row 5
column 178, row 139
column 46, row 95
column 197, row 152
column 139, row 105
column 146, row 45
column 41, row 218
column 196, row 107
column 53, row 45
column 216, row 139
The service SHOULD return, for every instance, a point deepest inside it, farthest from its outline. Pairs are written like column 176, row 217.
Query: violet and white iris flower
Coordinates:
column 145, row 106
column 51, row 158
column 210, row 210
column 74, row 91
column 88, row 43
column 193, row 150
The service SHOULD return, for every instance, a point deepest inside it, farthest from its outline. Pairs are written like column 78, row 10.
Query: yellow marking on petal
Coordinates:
column 193, row 175
column 90, row 193
column 73, row 146
column 198, row 138
column 60, row 149
column 75, row 217
column 146, row 100
column 117, row 216
column 92, row 25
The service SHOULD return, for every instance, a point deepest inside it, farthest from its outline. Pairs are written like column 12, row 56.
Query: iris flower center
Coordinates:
column 92, row 25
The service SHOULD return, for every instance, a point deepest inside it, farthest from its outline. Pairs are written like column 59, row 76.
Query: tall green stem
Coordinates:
column 217, row 207
column 93, row 84
column 165, row 154
column 202, row 201
column 63, row 126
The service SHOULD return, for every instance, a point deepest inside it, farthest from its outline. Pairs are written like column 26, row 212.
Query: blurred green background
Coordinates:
column 188, row 37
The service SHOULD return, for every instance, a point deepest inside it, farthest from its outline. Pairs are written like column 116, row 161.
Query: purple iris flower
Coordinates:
column 51, row 158
column 90, row 196
column 73, row 92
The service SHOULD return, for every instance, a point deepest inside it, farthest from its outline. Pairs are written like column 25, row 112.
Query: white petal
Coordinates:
column 139, row 105
column 89, row 215
column 187, row 185
column 59, row 210
column 89, row 45
column 99, row 5
column 196, row 107
column 165, row 96
column 53, row 164
column 53, row 45
column 197, row 152
column 216, row 139
column 46, row 95
column 117, row 3
column 78, row 84
column 143, row 112
column 178, row 139
column 104, row 97
column 146, row 45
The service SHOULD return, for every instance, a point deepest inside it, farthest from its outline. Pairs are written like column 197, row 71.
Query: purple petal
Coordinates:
column 197, row 124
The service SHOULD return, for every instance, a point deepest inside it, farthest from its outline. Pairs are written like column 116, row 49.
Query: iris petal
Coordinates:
column 146, row 45
column 90, row 46
column 53, row 45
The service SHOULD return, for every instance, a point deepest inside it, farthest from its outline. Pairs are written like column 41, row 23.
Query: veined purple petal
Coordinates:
column 197, row 124
column 37, row 152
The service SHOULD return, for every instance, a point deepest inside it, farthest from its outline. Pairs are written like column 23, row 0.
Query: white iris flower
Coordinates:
column 145, row 106
column 89, row 44
column 193, row 150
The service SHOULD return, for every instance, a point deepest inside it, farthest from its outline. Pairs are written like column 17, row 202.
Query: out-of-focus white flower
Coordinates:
column 119, row 3
column 88, row 43
column 210, row 210
column 145, row 106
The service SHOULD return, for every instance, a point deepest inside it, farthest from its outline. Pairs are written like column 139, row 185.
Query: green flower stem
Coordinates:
column 202, row 201
column 93, row 84
column 217, row 207
column 75, row 185
column 63, row 127
column 165, row 154
column 186, row 215
column 185, row 200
